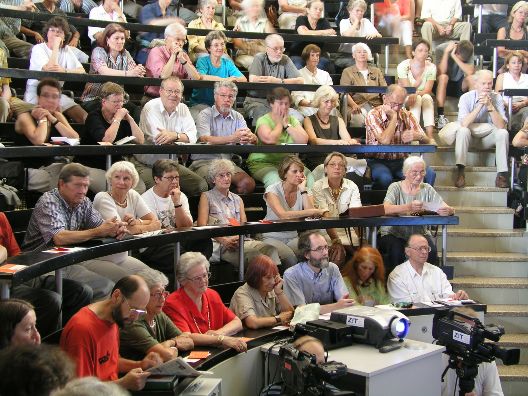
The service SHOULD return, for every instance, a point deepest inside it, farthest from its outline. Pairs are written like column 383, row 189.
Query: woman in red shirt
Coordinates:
column 8, row 244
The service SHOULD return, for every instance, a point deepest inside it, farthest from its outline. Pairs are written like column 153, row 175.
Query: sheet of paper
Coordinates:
column 198, row 354
column 432, row 206
column 177, row 367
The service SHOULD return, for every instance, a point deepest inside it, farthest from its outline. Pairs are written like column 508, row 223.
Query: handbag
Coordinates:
column 13, row 173
column 337, row 254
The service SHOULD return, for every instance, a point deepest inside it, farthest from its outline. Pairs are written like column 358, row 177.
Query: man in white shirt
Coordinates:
column 110, row 11
column 418, row 281
column 165, row 120
column 442, row 21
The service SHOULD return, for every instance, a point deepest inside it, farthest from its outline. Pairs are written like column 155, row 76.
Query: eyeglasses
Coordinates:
column 134, row 311
column 172, row 91
column 199, row 278
column 277, row 49
column 55, row 30
column 421, row 249
column 227, row 96
column 335, row 165
column 116, row 102
column 160, row 294
column 50, row 96
column 398, row 105
column 320, row 249
column 416, row 173
column 171, row 178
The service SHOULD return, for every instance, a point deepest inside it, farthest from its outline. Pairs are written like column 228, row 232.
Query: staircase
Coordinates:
column 489, row 257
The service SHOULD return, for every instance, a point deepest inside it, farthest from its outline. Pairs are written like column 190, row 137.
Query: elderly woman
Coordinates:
column 364, row 277
column 273, row 128
column 199, row 310
column 261, row 302
column 515, row 30
column 111, row 58
column 170, row 59
column 289, row 10
column 311, row 75
column 153, row 332
column 213, row 68
column 420, row 73
column 253, row 20
column 220, row 206
column 124, row 204
column 288, row 199
column 55, row 56
column 197, row 46
column 410, row 196
column 18, row 323
column 514, row 78
column 359, row 104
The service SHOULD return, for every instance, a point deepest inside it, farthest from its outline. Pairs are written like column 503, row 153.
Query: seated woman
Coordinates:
column 111, row 58
column 252, row 20
column 521, row 138
column 220, row 206
column 419, row 73
column 515, row 30
column 55, row 56
column 411, row 195
column 324, row 128
column 261, row 302
column 514, row 78
column 288, row 199
column 153, row 332
column 364, row 277
column 213, row 68
column 18, row 323
column 122, row 203
column 274, row 128
column 199, row 310
column 311, row 75
column 362, row 73
column 289, row 10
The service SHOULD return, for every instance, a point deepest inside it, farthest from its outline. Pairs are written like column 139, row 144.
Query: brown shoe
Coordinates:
column 461, row 180
column 501, row 182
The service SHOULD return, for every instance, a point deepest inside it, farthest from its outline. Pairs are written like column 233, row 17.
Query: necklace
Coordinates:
column 321, row 121
column 153, row 325
column 208, row 318
column 336, row 191
column 120, row 204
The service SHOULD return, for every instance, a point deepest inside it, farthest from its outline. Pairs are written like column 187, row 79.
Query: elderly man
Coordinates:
column 481, row 122
column 65, row 216
column 221, row 124
column 418, row 281
column 390, row 123
column 316, row 280
column 443, row 21
column 270, row 67
column 166, row 120
column 91, row 337
column 170, row 59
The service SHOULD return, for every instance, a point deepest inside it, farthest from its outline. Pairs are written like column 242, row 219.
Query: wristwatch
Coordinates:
column 278, row 319
column 288, row 125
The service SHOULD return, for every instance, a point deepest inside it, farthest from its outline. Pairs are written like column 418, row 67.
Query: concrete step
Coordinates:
column 516, row 340
column 473, row 196
column 446, row 156
column 514, row 318
column 497, row 290
column 475, row 175
column 490, row 240
column 484, row 217
column 514, row 379
column 487, row 264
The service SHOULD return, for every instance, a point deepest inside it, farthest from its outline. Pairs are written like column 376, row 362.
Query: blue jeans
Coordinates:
column 384, row 172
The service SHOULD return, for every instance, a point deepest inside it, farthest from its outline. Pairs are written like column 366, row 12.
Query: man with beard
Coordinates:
column 316, row 280
column 91, row 337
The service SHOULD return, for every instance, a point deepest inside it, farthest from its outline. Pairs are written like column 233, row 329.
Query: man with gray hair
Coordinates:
column 221, row 124
column 481, row 123
column 271, row 66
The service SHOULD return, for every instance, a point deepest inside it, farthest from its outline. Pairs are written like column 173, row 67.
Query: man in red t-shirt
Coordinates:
column 91, row 337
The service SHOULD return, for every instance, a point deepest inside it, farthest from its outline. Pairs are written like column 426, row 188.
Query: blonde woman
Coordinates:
column 515, row 30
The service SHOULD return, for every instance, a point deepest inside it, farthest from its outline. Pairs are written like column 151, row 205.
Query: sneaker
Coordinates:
column 441, row 122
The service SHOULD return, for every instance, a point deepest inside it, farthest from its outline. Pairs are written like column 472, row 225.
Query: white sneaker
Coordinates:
column 441, row 122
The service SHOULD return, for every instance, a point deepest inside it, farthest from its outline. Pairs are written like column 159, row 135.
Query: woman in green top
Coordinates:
column 155, row 331
column 364, row 277
column 275, row 128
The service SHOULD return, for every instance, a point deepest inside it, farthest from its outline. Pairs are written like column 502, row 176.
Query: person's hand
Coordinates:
column 248, row 137
column 74, row 42
column 55, row 68
column 131, row 220
column 285, row 317
column 175, row 195
column 445, row 211
column 390, row 113
column 460, row 295
column 39, row 113
column 152, row 359
column 355, row 108
column 372, row 36
column 316, row 213
column 77, row 3
column 38, row 38
column 184, row 342
column 278, row 284
column 183, row 57
column 110, row 227
column 276, row 118
column 134, row 380
column 451, row 46
column 164, row 137
column 353, row 142
column 236, row 343
column 448, row 30
column 138, row 71
column 416, row 206
column 407, row 136
column 120, row 114
column 116, row 8
column 516, row 106
column 411, row 100
column 302, row 185
column 345, row 302
column 484, row 99
column 56, row 42
column 232, row 242
column 330, row 32
column 441, row 30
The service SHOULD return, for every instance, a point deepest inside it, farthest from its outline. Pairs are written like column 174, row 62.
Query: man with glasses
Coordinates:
column 221, row 124
column 418, row 281
column 91, row 337
column 391, row 124
column 270, row 67
column 316, row 280
column 166, row 120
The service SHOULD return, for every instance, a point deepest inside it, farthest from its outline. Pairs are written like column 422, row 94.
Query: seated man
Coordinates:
column 40, row 291
column 418, row 281
column 166, row 120
column 390, row 123
column 455, row 64
column 11, row 27
column 110, row 11
column 316, row 280
column 481, row 122
column 91, row 337
column 442, row 20
column 65, row 216
column 493, row 18
column 270, row 67
column 221, row 124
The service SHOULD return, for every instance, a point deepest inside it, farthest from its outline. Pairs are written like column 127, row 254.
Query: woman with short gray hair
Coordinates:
column 197, row 309
column 206, row 9
column 154, row 332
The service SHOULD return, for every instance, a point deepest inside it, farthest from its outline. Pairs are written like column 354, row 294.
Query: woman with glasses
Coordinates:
column 220, row 206
column 196, row 309
column 153, row 332
column 410, row 196
column 261, row 302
